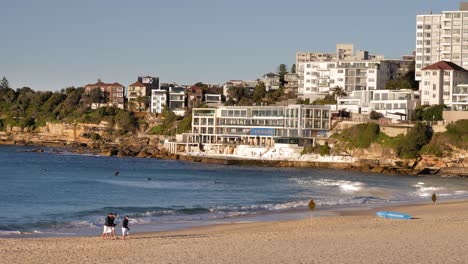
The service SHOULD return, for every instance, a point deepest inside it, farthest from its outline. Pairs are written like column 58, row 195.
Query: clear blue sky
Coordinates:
column 52, row 44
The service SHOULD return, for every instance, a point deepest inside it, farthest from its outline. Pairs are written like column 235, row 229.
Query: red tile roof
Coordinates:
column 445, row 66
column 137, row 84
column 102, row 84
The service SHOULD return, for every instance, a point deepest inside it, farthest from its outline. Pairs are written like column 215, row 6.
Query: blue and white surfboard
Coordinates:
column 393, row 215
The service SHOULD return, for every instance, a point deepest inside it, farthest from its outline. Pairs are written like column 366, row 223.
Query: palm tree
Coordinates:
column 337, row 93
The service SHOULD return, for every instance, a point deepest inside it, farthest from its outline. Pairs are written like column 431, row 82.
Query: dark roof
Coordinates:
column 445, row 66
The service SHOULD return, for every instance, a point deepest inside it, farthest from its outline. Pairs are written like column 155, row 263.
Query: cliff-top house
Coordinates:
column 111, row 94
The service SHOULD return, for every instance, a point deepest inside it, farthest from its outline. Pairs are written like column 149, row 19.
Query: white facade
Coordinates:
column 321, row 77
column 391, row 103
column 395, row 104
column 438, row 82
column 158, row 100
column 255, row 123
column 441, row 37
column 460, row 98
column 177, row 98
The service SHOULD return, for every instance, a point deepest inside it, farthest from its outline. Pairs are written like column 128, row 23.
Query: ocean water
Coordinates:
column 64, row 194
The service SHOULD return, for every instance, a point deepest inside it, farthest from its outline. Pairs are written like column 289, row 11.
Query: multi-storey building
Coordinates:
column 271, row 81
column 159, row 98
column 438, row 81
column 194, row 97
column 460, row 98
column 321, row 77
column 291, row 83
column 136, row 95
column 258, row 124
column 177, row 99
column 394, row 104
column 318, row 72
column 112, row 94
column 442, row 37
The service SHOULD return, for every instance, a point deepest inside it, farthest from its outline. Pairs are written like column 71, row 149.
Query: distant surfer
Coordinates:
column 148, row 179
column 117, row 173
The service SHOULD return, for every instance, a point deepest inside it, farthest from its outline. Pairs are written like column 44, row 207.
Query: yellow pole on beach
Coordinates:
column 311, row 207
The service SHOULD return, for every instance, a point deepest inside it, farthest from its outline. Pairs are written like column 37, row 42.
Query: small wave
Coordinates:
column 9, row 233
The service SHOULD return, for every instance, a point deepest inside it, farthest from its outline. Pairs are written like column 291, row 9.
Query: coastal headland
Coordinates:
column 376, row 159
column 437, row 234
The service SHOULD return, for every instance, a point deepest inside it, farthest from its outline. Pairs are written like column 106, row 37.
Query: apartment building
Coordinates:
column 319, row 72
column 321, row 77
column 291, row 83
column 438, row 81
column 112, row 94
column 159, row 98
column 393, row 104
column 258, row 124
column 271, row 81
column 460, row 98
column 442, row 37
column 177, row 99
column 136, row 95
column 194, row 97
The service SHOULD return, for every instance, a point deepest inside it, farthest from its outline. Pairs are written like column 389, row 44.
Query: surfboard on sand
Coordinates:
column 393, row 215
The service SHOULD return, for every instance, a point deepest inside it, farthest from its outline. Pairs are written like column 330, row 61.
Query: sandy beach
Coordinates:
column 436, row 235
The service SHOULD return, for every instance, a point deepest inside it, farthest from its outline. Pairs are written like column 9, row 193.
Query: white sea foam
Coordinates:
column 426, row 191
column 8, row 233
column 345, row 186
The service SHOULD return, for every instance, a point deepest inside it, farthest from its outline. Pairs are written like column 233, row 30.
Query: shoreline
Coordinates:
column 292, row 214
column 438, row 234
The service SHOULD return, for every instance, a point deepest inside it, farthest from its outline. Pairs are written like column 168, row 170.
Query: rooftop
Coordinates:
column 445, row 66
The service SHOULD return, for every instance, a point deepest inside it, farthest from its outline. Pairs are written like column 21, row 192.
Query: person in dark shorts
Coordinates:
column 125, row 227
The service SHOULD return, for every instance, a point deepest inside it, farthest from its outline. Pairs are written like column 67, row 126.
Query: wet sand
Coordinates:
column 438, row 235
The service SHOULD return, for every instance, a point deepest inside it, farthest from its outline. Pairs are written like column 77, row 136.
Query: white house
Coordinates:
column 158, row 100
column 438, row 81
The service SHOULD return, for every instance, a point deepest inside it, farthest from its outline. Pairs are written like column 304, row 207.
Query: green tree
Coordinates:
column 95, row 95
column 293, row 68
column 416, row 138
column 260, row 92
column 4, row 84
column 281, row 71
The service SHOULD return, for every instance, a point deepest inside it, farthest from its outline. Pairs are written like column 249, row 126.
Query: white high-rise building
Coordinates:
column 442, row 37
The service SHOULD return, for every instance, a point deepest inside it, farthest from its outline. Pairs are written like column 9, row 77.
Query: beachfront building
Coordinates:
column 442, row 37
column 460, row 98
column 177, row 98
column 438, row 81
column 395, row 104
column 258, row 125
column 271, row 81
column 112, row 94
column 159, row 99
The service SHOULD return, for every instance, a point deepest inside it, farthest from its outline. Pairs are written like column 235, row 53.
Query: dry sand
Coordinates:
column 436, row 236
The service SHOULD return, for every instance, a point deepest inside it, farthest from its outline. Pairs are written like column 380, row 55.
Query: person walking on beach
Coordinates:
column 113, row 224
column 125, row 227
column 108, row 224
